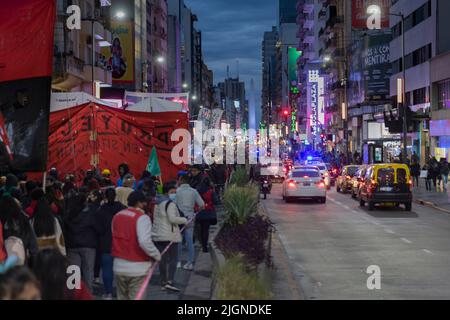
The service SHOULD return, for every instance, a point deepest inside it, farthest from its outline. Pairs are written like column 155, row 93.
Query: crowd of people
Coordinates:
column 116, row 230
column 434, row 172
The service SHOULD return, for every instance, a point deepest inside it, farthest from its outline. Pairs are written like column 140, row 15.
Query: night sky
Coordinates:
column 233, row 30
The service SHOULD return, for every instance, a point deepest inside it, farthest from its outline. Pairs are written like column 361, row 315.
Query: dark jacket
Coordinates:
column 444, row 168
column 81, row 231
column 415, row 170
column 104, row 217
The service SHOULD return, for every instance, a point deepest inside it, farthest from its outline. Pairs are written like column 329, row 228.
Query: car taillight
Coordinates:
column 292, row 184
column 326, row 174
column 373, row 186
column 410, row 184
column 321, row 184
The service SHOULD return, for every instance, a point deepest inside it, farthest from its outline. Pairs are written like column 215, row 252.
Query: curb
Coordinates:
column 278, row 249
column 431, row 205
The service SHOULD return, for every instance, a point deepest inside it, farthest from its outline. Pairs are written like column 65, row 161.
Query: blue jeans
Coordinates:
column 107, row 272
column 188, row 235
column 445, row 180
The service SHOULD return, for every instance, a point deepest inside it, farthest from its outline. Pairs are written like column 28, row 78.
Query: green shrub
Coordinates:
column 240, row 203
column 239, row 177
column 237, row 283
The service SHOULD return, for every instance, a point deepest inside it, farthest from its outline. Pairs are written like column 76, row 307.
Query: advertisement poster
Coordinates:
column 120, row 55
column 293, row 55
column 360, row 16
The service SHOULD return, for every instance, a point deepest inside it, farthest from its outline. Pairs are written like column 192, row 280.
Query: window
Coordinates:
column 415, row 18
column 386, row 176
column 401, row 176
column 444, row 94
column 420, row 96
column 302, row 174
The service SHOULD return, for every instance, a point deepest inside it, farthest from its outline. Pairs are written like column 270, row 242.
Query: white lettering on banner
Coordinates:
column 313, row 75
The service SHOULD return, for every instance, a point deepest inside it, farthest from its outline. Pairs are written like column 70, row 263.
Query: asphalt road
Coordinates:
column 330, row 246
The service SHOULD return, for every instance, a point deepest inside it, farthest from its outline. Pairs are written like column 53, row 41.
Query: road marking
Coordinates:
column 339, row 203
column 346, row 207
column 389, row 231
column 406, row 240
column 427, row 251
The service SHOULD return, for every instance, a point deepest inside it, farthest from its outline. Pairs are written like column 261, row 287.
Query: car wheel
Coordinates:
column 284, row 198
column 371, row 206
column 362, row 203
column 408, row 206
column 287, row 200
column 323, row 200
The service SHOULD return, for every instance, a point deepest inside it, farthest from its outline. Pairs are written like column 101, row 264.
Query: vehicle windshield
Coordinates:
column 351, row 171
column 305, row 173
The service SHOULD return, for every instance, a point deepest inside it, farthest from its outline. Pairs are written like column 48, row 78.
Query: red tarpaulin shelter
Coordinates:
column 95, row 135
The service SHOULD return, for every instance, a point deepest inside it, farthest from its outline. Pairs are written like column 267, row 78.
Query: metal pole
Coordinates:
column 405, row 126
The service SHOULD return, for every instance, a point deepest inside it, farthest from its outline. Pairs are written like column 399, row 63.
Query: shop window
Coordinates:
column 420, row 96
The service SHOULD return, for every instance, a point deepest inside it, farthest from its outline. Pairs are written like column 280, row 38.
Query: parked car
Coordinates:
column 304, row 182
column 344, row 180
column 358, row 180
column 387, row 183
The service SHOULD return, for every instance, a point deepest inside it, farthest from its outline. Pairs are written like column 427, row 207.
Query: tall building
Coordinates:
column 426, row 69
column 233, row 96
column 336, row 39
column 311, row 23
column 287, row 11
column 76, row 65
column 159, row 24
column 268, row 73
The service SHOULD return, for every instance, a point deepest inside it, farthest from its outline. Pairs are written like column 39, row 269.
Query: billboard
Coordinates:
column 370, row 69
column 360, row 15
column 120, row 55
column 293, row 55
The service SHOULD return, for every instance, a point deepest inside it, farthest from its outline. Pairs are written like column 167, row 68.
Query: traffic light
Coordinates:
column 286, row 113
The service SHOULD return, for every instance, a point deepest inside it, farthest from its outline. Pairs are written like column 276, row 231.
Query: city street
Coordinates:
column 330, row 246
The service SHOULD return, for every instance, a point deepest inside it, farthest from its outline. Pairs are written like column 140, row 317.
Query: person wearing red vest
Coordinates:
column 132, row 247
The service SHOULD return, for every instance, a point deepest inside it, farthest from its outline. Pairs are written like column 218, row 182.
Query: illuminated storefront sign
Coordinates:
column 317, row 101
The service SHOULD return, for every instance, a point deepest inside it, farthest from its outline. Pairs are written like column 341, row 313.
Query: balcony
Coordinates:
column 68, row 73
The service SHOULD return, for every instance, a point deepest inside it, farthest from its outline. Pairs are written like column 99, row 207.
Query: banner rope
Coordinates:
column 153, row 267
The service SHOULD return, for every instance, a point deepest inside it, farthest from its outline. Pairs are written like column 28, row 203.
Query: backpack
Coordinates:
column 14, row 247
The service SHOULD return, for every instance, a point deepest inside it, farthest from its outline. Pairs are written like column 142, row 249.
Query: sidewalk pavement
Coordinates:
column 194, row 285
column 437, row 199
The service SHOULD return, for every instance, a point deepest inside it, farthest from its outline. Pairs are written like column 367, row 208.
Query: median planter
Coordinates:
column 240, row 248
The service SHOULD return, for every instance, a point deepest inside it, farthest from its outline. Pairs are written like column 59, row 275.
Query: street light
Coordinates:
column 120, row 14
column 194, row 97
column 185, row 86
column 402, row 89
column 160, row 59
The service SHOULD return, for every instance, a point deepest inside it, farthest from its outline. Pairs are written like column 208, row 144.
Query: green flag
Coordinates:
column 153, row 164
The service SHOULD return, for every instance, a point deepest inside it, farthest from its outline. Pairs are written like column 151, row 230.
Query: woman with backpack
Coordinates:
column 166, row 231
column 18, row 236
column 47, row 228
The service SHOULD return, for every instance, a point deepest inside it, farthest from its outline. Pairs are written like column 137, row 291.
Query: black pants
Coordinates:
column 168, row 263
column 416, row 180
column 204, row 233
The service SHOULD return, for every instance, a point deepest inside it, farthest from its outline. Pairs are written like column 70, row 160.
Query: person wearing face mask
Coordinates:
column 166, row 231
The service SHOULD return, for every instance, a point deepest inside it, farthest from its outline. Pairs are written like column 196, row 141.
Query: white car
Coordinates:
column 305, row 182
column 325, row 174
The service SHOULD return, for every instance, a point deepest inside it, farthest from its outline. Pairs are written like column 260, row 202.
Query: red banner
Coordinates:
column 26, row 38
column 360, row 16
column 88, row 134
